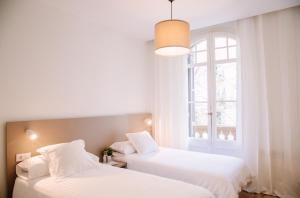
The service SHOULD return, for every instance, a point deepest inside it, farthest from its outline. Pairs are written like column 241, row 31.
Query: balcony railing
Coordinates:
column 224, row 133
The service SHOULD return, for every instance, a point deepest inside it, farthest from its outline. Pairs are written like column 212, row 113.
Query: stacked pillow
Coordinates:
column 58, row 160
column 33, row 167
column 125, row 147
column 69, row 159
column 142, row 142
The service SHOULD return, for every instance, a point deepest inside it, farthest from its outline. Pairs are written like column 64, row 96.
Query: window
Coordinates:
column 213, row 91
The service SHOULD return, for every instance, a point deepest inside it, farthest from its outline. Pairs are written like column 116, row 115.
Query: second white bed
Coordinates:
column 224, row 176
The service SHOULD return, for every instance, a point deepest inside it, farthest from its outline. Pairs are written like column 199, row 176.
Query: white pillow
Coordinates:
column 123, row 147
column 142, row 142
column 32, row 168
column 93, row 157
column 49, row 148
column 69, row 159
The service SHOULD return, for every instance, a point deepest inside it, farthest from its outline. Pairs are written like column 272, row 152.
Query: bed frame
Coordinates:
column 98, row 133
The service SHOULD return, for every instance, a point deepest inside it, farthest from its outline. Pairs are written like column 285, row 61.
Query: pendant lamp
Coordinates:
column 172, row 37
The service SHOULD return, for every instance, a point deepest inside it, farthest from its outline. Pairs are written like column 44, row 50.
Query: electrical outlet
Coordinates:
column 22, row 156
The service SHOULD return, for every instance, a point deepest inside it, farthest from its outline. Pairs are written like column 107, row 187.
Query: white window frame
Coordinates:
column 212, row 144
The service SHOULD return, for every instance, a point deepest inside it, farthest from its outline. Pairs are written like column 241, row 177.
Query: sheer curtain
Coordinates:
column 270, row 73
column 171, row 101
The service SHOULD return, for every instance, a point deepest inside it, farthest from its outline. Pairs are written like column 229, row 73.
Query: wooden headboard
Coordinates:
column 98, row 133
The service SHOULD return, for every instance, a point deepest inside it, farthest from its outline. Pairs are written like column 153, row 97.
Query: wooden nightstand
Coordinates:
column 117, row 164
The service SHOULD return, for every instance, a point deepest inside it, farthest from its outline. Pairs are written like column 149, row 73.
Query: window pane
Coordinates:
column 200, row 83
column 226, row 120
column 226, row 79
column 220, row 42
column 232, row 52
column 200, row 119
column 221, row 54
column 193, row 58
column 193, row 49
column 201, row 57
column 200, row 114
column 202, row 46
column 226, row 114
column 231, row 41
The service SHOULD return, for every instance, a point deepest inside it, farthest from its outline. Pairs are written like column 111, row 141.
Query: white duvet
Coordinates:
column 224, row 176
column 107, row 182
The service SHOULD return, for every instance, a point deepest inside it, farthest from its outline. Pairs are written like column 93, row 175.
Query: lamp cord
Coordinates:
column 171, row 8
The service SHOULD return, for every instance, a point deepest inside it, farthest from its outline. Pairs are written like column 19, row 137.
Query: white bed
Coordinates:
column 224, row 176
column 107, row 182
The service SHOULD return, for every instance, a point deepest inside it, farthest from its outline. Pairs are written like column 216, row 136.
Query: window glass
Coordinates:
column 220, row 42
column 201, row 57
column 200, row 83
column 221, row 54
column 200, row 127
column 201, row 46
column 226, row 78
column 231, row 42
column 193, row 49
column 226, row 120
column 232, row 52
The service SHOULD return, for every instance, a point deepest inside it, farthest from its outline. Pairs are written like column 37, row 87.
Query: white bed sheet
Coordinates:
column 107, row 182
column 224, row 176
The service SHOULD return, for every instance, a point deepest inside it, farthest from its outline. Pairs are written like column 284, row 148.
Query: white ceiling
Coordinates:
column 137, row 17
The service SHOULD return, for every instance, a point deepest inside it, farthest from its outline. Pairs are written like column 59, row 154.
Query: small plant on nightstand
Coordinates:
column 107, row 154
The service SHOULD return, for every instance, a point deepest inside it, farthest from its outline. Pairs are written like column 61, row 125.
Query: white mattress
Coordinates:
column 224, row 176
column 107, row 182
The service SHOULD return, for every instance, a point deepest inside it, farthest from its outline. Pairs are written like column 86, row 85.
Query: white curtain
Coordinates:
column 171, row 101
column 270, row 73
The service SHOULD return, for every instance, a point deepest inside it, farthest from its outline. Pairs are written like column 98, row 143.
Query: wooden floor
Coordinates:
column 244, row 194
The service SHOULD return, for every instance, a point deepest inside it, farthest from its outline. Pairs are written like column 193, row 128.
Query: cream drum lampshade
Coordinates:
column 172, row 38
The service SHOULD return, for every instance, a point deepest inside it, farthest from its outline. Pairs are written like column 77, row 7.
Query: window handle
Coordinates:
column 210, row 113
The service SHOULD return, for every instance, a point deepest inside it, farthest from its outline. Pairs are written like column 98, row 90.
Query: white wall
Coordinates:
column 54, row 64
